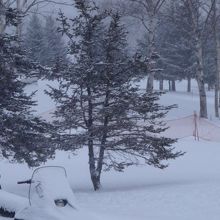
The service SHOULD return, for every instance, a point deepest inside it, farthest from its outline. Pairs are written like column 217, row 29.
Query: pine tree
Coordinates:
column 98, row 104
column 209, row 59
column 23, row 137
column 54, row 48
column 34, row 39
column 176, row 54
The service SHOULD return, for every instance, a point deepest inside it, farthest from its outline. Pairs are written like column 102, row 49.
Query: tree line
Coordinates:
column 42, row 41
column 185, row 36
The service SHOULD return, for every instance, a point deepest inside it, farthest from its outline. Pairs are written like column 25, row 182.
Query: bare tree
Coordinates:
column 146, row 11
column 23, row 7
column 217, row 46
column 4, row 5
column 199, row 12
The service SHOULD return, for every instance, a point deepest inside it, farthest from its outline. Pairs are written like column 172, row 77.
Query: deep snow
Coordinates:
column 187, row 102
column 188, row 189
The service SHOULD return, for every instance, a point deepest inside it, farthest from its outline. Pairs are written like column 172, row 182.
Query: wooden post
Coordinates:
column 196, row 130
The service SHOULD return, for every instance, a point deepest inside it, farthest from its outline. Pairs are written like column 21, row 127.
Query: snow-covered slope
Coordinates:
column 187, row 102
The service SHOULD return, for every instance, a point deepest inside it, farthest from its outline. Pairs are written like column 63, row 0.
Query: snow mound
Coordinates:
column 12, row 202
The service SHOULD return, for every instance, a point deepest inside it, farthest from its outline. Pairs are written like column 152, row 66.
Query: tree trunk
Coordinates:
column 95, row 173
column 189, row 86
column 151, row 43
column 19, row 19
column 100, row 163
column 104, row 138
column 2, row 18
column 173, row 83
column 150, row 82
column 216, row 101
column 200, row 81
column 217, row 47
column 197, row 38
column 219, row 97
column 92, row 168
column 161, row 84
column 92, row 163
column 203, row 101
column 170, row 86
column 217, row 86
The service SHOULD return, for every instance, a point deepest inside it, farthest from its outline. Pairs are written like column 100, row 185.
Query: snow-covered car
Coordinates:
column 50, row 196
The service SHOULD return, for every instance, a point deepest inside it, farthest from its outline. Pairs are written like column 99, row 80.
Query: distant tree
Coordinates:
column 209, row 59
column 43, row 42
column 8, row 15
column 54, row 48
column 177, row 59
column 99, row 106
column 34, row 39
column 147, row 12
column 23, row 7
column 196, row 20
column 216, row 31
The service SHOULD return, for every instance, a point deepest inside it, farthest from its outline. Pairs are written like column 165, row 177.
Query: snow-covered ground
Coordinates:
column 188, row 189
column 187, row 102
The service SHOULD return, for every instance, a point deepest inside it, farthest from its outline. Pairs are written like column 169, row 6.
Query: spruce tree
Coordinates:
column 177, row 57
column 99, row 106
column 54, row 48
column 33, row 40
column 23, row 137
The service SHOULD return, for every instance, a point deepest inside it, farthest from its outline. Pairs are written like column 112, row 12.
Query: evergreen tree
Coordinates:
column 194, row 23
column 54, row 48
column 23, row 137
column 209, row 59
column 98, row 103
column 34, row 39
column 177, row 58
